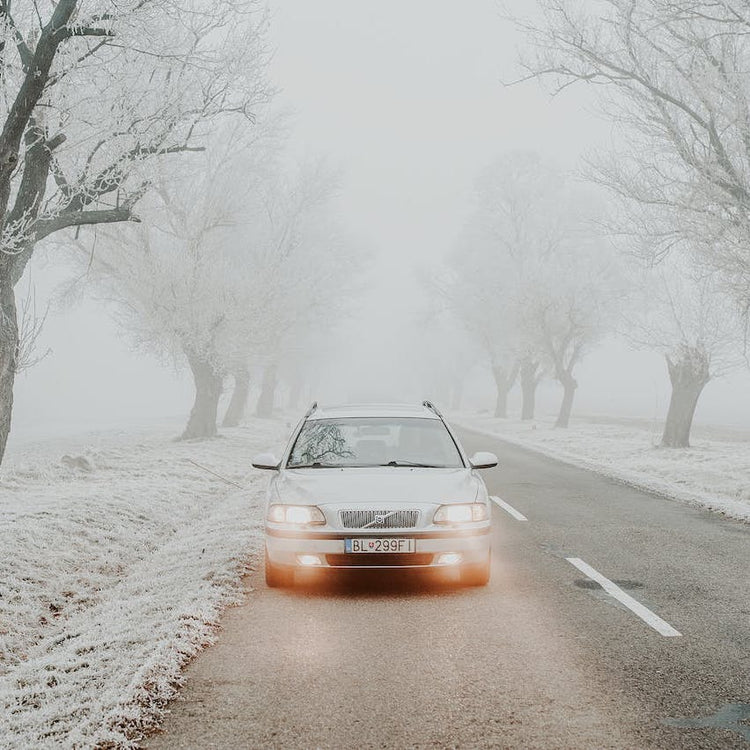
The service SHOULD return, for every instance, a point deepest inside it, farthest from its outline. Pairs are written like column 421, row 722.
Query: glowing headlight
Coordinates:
column 298, row 515
column 461, row 513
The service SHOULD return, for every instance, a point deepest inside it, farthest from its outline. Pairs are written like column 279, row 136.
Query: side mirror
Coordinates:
column 266, row 461
column 483, row 460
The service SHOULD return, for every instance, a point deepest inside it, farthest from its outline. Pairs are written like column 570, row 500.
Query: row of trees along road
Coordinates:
column 672, row 75
column 538, row 282
column 95, row 94
column 238, row 264
column 531, row 279
column 682, row 312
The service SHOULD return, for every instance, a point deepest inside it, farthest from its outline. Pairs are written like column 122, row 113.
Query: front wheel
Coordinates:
column 278, row 576
column 476, row 574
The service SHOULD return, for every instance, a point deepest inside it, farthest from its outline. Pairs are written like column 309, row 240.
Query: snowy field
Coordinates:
column 116, row 563
column 714, row 472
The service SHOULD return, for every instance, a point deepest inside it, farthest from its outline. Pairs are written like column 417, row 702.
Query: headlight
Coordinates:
column 461, row 513
column 298, row 515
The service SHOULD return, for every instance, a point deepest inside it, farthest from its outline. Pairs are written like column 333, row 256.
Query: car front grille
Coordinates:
column 380, row 559
column 379, row 519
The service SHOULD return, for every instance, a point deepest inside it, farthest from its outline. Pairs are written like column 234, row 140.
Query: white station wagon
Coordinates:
column 376, row 487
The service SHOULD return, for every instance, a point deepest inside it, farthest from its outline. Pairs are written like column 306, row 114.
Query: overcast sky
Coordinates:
column 407, row 98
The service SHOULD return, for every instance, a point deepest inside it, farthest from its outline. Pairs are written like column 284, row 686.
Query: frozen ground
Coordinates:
column 714, row 472
column 116, row 563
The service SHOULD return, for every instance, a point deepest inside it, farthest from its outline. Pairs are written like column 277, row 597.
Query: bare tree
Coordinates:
column 311, row 267
column 673, row 76
column 181, row 285
column 237, row 406
column 511, row 225
column 235, row 260
column 571, row 314
column 480, row 295
column 531, row 276
column 680, row 311
column 531, row 372
column 267, row 396
column 93, row 92
column 30, row 325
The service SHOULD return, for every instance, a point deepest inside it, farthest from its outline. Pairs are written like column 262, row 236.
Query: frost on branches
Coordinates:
column 238, row 264
column 532, row 278
column 94, row 93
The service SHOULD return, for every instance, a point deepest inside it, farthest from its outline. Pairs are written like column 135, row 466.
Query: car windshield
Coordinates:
column 374, row 441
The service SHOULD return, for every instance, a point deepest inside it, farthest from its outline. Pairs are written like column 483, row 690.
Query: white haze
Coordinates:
column 407, row 99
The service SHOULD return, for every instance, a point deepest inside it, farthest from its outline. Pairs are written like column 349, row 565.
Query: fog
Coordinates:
column 407, row 101
column 330, row 324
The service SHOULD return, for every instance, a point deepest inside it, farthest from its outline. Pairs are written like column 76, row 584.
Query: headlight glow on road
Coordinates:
column 297, row 515
column 461, row 513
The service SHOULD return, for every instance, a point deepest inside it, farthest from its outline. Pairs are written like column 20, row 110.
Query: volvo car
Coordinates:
column 376, row 487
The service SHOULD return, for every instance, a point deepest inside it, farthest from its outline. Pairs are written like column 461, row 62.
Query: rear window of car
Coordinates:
column 374, row 441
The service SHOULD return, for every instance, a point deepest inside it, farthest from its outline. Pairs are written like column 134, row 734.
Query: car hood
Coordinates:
column 381, row 484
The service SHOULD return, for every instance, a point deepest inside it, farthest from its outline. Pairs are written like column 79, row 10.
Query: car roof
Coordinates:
column 373, row 410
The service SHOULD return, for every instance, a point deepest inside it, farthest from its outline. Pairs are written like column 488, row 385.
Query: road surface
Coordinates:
column 544, row 657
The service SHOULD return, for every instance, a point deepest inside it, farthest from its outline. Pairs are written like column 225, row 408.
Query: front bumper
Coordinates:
column 290, row 548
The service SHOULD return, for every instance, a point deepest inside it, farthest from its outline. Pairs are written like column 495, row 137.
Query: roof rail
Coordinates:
column 429, row 405
column 311, row 409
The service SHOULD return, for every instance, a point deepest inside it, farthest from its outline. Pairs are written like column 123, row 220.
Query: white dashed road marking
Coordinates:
column 508, row 509
column 633, row 605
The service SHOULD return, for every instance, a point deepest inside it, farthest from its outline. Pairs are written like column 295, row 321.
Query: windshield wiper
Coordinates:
column 313, row 465
column 408, row 464
column 414, row 464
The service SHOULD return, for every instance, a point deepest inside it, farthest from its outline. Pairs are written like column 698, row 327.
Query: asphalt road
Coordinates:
column 541, row 658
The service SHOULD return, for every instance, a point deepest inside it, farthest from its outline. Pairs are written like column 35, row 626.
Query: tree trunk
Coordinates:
column 8, row 358
column 529, row 382
column 504, row 381
column 295, row 392
column 267, row 392
column 208, row 387
column 689, row 375
column 235, row 412
column 569, row 385
column 457, row 393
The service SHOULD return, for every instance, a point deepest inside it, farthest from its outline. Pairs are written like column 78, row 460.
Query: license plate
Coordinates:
column 383, row 544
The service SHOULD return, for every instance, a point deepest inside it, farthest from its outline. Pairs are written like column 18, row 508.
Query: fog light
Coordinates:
column 308, row 560
column 450, row 558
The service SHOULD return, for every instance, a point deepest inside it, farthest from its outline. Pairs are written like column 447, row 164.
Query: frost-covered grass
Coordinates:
column 113, row 573
column 714, row 472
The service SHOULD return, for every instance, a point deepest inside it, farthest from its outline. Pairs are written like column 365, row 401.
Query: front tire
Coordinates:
column 277, row 576
column 476, row 574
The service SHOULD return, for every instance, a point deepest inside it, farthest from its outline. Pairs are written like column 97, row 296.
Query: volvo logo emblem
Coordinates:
column 379, row 519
